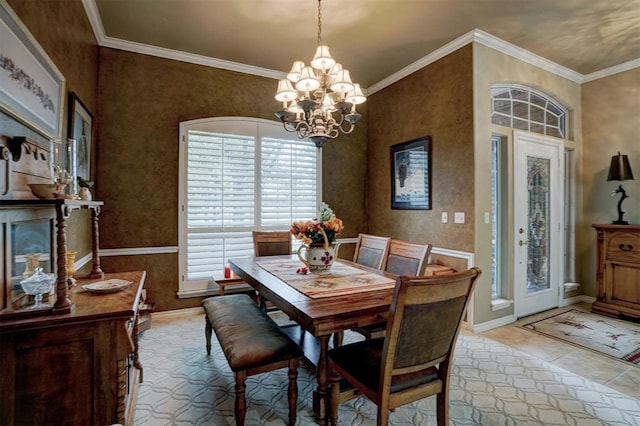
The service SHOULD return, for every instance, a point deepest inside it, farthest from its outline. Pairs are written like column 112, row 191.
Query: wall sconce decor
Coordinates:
column 620, row 170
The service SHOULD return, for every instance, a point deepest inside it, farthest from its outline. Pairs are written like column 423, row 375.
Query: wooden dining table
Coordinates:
column 320, row 317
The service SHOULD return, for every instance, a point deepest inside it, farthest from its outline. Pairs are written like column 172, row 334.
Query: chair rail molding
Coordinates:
column 137, row 251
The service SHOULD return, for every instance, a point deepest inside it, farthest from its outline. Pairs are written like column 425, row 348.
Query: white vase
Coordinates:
column 85, row 194
column 317, row 258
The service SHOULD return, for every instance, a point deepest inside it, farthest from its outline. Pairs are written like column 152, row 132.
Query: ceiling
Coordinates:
column 372, row 38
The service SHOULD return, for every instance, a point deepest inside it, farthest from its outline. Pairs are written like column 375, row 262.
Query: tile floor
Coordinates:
column 619, row 375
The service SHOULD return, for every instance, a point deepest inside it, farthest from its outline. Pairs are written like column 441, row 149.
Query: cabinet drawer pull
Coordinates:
column 627, row 247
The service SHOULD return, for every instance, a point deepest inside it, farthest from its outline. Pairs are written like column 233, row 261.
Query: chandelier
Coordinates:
column 319, row 100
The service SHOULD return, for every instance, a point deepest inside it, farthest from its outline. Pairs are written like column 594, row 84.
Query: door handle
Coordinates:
column 523, row 242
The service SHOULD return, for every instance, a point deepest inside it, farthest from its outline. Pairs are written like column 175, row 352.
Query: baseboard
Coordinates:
column 489, row 325
column 195, row 310
column 577, row 299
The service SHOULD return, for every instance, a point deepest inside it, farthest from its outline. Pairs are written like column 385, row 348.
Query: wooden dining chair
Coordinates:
column 371, row 250
column 404, row 258
column 270, row 243
column 414, row 359
column 265, row 243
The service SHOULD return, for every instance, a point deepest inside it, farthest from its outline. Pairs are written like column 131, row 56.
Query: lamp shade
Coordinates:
column 295, row 108
column 285, row 91
column 356, row 96
column 308, row 81
column 296, row 69
column 335, row 69
column 322, row 60
column 342, row 83
column 620, row 169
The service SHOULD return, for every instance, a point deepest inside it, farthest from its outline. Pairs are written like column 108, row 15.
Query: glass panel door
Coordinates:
column 538, row 242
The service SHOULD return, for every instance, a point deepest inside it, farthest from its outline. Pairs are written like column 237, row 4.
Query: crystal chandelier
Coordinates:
column 313, row 96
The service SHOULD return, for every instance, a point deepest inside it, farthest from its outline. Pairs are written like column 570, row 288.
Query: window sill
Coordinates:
column 499, row 304
column 211, row 291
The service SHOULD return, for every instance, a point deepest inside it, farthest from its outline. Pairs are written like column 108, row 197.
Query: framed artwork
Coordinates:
column 31, row 86
column 411, row 175
column 81, row 129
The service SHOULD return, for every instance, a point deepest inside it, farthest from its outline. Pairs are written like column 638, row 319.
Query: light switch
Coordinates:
column 458, row 217
column 445, row 217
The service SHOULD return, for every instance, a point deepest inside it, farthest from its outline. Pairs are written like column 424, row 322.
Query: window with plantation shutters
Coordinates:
column 238, row 175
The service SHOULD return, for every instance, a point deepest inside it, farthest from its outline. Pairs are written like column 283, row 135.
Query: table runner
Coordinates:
column 342, row 279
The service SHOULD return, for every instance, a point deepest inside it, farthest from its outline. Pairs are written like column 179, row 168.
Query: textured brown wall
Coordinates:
column 142, row 101
column 611, row 117
column 62, row 28
column 435, row 101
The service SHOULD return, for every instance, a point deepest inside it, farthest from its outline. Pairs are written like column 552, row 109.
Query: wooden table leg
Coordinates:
column 96, row 270
column 63, row 303
column 322, row 375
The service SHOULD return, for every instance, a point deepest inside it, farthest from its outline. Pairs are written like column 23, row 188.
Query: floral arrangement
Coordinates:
column 318, row 231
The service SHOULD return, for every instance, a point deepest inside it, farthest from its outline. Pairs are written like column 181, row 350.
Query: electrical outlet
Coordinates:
column 445, row 217
column 458, row 217
column 487, row 218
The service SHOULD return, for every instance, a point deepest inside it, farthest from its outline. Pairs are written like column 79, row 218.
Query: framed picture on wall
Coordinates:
column 81, row 129
column 31, row 86
column 411, row 175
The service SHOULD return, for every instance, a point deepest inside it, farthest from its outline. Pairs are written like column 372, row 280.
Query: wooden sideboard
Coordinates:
column 618, row 270
column 78, row 368
column 62, row 209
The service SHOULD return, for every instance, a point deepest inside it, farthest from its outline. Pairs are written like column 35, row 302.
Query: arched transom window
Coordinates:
column 525, row 109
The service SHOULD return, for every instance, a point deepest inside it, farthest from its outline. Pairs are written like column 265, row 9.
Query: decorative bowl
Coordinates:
column 47, row 191
column 38, row 285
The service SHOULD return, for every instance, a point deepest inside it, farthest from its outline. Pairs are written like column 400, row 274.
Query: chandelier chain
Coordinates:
column 319, row 22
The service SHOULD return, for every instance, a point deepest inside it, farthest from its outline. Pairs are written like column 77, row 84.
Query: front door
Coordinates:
column 538, row 244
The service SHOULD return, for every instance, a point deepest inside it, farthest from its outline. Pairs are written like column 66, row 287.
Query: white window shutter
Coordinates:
column 228, row 194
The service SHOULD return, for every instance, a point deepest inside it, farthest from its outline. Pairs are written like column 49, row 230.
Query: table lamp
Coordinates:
column 620, row 170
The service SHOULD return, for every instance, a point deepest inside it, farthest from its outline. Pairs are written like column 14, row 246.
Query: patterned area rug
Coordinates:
column 491, row 384
column 616, row 338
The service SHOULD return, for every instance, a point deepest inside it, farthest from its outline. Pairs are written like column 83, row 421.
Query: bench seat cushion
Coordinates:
column 248, row 337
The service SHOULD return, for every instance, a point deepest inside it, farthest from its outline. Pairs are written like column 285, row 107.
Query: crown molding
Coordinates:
column 486, row 39
column 91, row 9
column 422, row 62
column 162, row 52
column 96, row 24
column 626, row 66
column 514, row 51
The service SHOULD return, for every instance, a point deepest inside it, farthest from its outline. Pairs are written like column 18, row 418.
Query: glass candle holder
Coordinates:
column 64, row 166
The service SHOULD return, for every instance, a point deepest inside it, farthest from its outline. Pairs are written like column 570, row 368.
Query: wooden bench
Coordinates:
column 252, row 343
